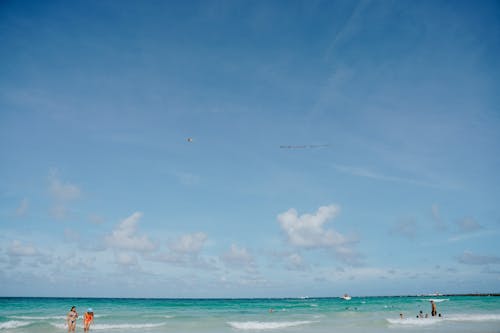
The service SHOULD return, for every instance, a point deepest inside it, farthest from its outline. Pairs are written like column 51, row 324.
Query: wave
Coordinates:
column 436, row 320
column 50, row 317
column 265, row 325
column 116, row 326
column 13, row 324
column 160, row 316
column 436, row 300
column 474, row 317
column 414, row 321
column 37, row 317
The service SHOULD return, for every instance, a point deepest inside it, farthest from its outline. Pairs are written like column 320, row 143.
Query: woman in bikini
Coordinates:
column 88, row 318
column 71, row 319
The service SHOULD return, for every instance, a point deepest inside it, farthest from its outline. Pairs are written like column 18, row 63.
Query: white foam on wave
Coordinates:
column 474, row 317
column 436, row 300
column 38, row 317
column 13, row 324
column 413, row 321
column 265, row 325
column 116, row 326
column 161, row 316
column 49, row 317
column 436, row 320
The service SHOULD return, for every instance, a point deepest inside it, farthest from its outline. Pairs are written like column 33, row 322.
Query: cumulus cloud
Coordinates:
column 237, row 256
column 125, row 236
column 469, row 258
column 18, row 249
column 74, row 261
column 308, row 231
column 186, row 251
column 189, row 244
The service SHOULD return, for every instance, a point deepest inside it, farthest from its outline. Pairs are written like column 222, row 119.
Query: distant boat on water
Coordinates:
column 346, row 297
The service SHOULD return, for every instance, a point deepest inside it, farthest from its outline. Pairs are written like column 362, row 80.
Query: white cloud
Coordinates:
column 125, row 259
column 19, row 249
column 186, row 252
column 308, row 230
column 189, row 244
column 61, row 191
column 76, row 262
column 295, row 261
column 125, row 237
column 238, row 256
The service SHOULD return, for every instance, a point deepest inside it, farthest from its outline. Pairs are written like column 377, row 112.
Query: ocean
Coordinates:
column 301, row 315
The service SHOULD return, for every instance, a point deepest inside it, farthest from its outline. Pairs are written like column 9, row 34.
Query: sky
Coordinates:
column 249, row 148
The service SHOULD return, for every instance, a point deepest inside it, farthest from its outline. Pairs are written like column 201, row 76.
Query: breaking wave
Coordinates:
column 455, row 317
column 265, row 325
column 13, row 324
column 116, row 326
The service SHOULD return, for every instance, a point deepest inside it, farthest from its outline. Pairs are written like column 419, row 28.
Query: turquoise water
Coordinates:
column 310, row 315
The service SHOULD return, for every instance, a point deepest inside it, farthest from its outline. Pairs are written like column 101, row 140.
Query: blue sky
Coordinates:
column 337, row 146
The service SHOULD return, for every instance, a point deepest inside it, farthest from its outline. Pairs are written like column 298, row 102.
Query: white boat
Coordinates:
column 346, row 297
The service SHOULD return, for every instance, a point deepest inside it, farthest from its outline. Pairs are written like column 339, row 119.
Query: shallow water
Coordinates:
column 311, row 315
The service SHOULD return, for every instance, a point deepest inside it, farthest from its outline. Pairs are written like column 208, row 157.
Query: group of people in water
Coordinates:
column 421, row 314
column 88, row 318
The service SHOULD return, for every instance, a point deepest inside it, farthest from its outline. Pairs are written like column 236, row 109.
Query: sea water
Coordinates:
column 304, row 315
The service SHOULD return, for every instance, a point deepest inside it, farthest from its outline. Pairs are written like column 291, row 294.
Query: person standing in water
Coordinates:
column 433, row 311
column 88, row 318
column 71, row 319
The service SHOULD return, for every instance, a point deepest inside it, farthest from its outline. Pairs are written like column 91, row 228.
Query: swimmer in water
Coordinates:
column 71, row 319
column 88, row 318
column 433, row 311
